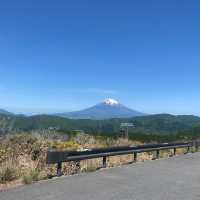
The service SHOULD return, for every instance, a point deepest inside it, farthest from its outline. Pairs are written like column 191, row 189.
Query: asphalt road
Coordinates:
column 170, row 179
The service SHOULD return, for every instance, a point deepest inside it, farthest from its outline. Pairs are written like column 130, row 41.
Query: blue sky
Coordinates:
column 67, row 55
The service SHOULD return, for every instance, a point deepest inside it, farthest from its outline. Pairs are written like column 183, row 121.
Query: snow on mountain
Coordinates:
column 111, row 102
column 109, row 108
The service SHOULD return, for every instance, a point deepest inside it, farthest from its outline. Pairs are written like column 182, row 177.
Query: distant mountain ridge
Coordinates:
column 5, row 112
column 107, row 123
column 109, row 108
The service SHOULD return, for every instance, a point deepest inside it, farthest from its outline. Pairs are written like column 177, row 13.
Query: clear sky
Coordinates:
column 66, row 55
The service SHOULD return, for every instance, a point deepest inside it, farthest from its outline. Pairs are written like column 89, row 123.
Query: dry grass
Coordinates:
column 23, row 157
column 9, row 172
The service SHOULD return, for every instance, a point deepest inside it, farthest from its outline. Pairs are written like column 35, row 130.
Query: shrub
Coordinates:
column 8, row 174
column 35, row 175
column 35, row 154
column 23, row 139
column 67, row 145
column 27, row 179
column 31, row 176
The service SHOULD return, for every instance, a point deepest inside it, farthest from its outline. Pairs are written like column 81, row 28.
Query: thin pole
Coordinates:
column 135, row 157
column 157, row 154
column 104, row 162
column 59, row 169
column 174, row 151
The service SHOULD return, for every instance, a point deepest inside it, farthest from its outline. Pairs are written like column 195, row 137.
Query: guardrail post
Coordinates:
column 104, row 162
column 59, row 169
column 157, row 154
column 135, row 157
column 78, row 165
column 196, row 146
column 174, row 151
column 188, row 149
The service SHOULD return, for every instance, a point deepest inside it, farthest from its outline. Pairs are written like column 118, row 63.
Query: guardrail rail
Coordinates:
column 58, row 157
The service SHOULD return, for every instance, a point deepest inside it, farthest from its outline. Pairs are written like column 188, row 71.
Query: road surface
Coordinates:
column 176, row 178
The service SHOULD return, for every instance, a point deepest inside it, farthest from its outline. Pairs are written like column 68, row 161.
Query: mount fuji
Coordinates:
column 109, row 108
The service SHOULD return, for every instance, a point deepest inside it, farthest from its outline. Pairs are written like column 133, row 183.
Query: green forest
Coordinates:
column 162, row 127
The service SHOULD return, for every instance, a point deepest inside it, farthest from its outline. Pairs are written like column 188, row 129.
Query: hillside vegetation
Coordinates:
column 23, row 156
column 149, row 126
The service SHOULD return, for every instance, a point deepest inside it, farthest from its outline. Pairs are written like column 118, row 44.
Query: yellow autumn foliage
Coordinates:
column 67, row 145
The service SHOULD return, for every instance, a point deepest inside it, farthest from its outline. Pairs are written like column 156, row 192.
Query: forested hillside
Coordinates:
column 162, row 124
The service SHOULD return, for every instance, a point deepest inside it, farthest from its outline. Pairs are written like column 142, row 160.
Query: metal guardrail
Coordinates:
column 57, row 157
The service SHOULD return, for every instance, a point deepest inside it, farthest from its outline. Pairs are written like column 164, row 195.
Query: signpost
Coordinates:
column 124, row 127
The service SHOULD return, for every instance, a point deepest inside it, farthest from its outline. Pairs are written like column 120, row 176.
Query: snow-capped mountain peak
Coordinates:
column 107, row 109
column 111, row 102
